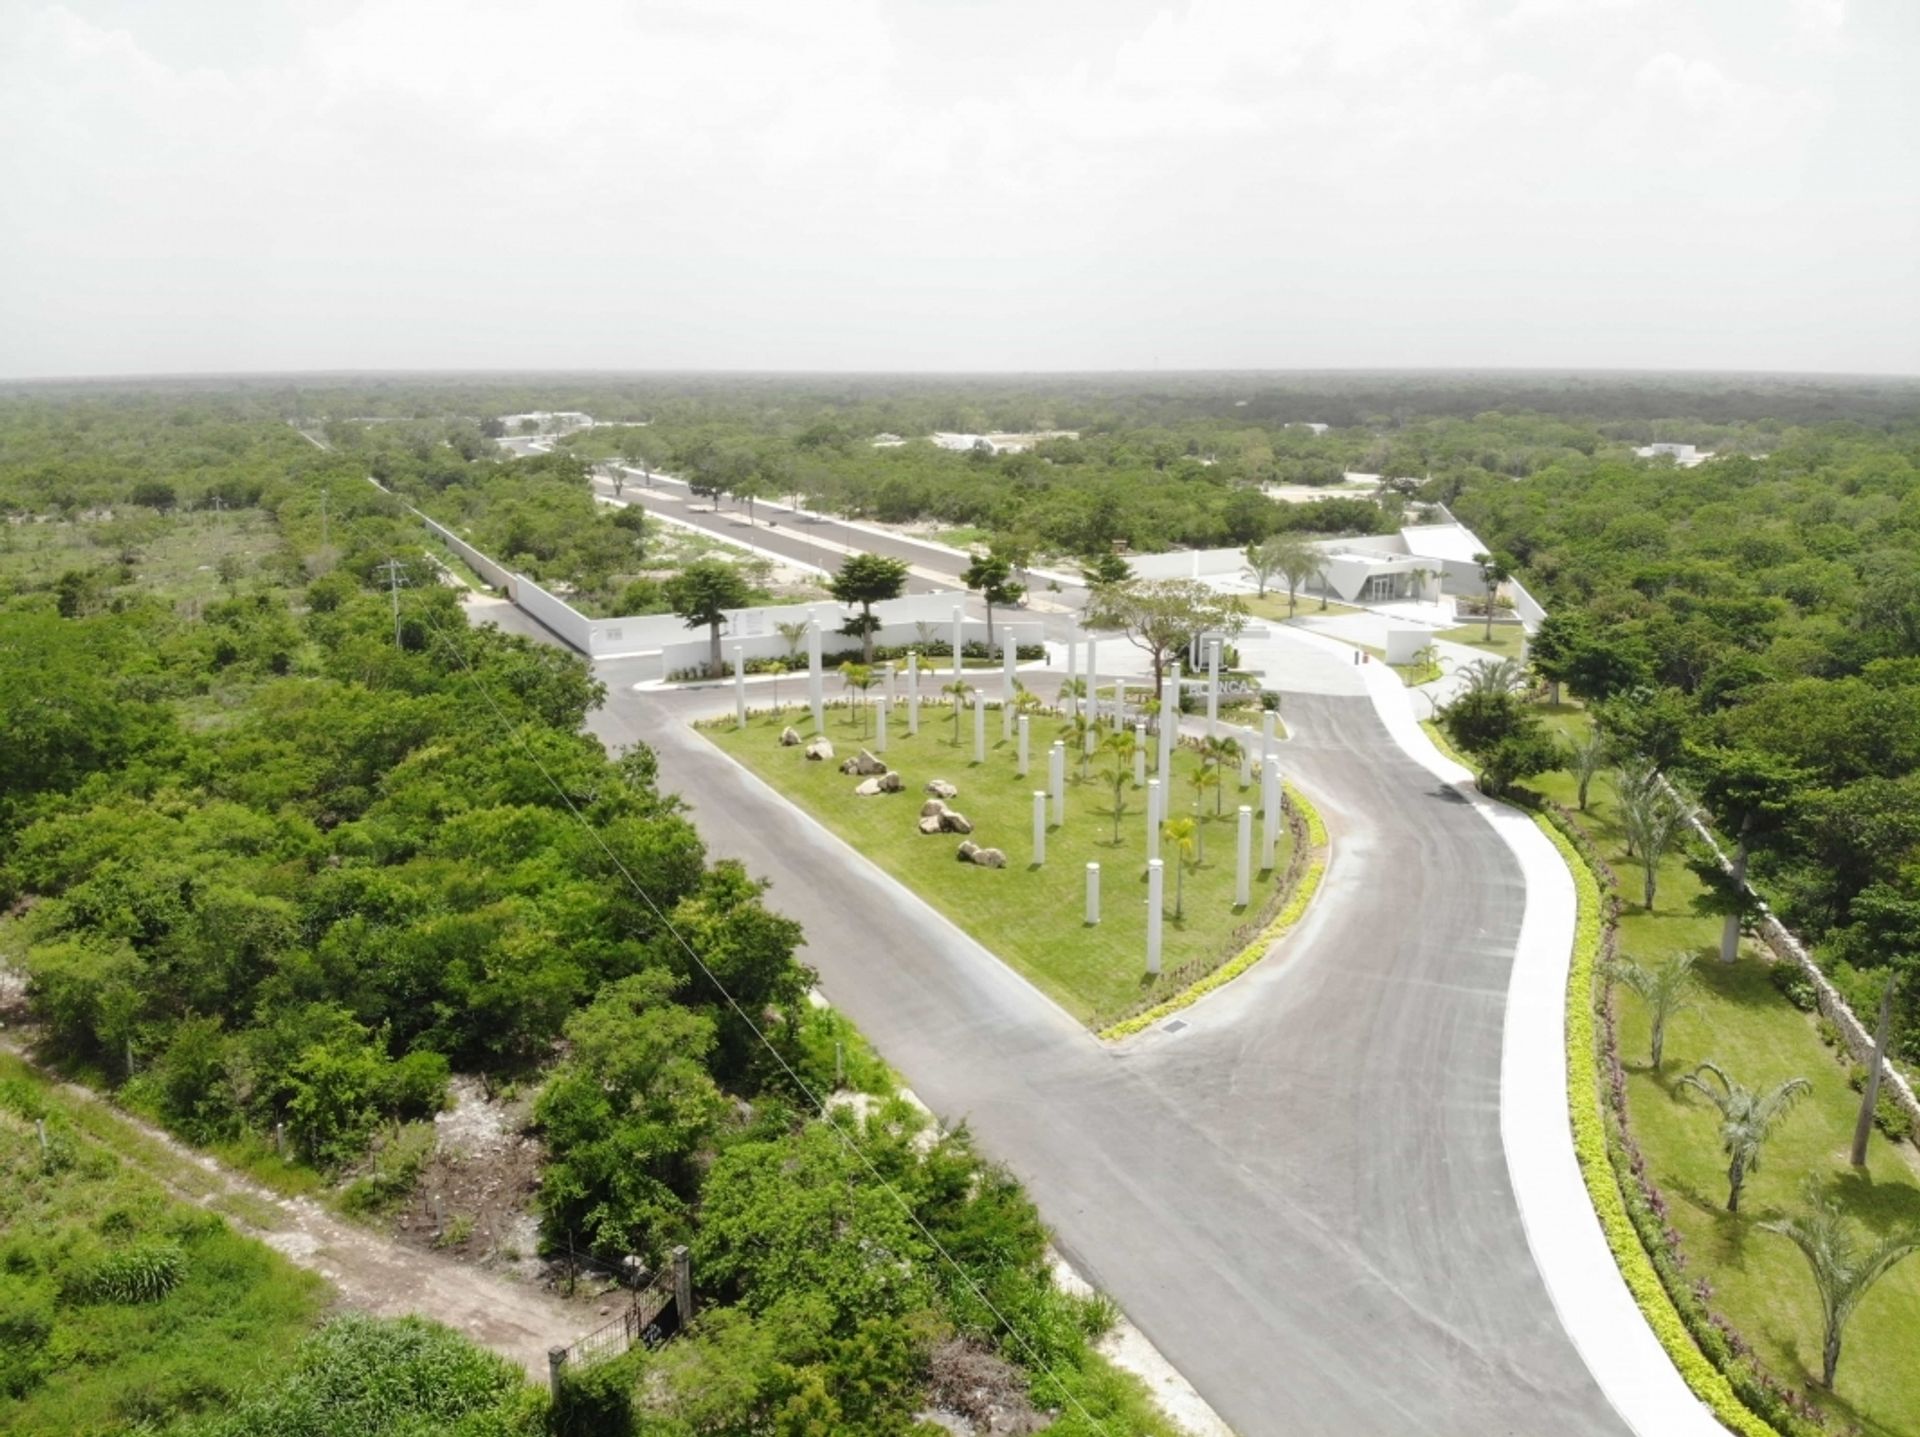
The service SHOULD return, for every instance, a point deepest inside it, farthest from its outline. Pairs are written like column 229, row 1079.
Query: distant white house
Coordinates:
column 547, row 421
column 1421, row 561
column 1000, row 443
column 1685, row 455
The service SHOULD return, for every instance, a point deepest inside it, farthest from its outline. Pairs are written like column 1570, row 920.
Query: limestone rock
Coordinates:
column 820, row 748
column 940, row 788
column 789, row 737
column 966, row 850
column 951, row 822
column 930, row 825
column 989, row 858
column 866, row 764
column 888, row 782
column 891, row 782
column 933, row 808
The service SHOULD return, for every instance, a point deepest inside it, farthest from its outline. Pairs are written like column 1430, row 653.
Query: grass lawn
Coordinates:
column 1030, row 917
column 1760, row 1282
column 76, row 1360
column 1508, row 639
column 1274, row 606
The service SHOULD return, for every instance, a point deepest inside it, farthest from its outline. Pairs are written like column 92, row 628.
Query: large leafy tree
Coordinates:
column 702, row 593
column 1163, row 616
column 1496, row 729
column 990, row 575
column 1752, row 795
column 866, row 580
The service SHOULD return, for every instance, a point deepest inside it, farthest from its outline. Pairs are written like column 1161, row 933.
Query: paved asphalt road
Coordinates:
column 1301, row 1196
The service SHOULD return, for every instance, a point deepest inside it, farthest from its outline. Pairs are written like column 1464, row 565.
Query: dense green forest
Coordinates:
column 270, row 858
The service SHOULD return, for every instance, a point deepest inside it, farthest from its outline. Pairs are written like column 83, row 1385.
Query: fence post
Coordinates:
column 683, row 1283
column 556, row 1370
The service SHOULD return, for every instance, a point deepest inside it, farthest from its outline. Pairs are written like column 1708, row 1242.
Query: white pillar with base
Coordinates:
column 886, row 676
column 880, row 730
column 815, row 699
column 1007, row 655
column 1213, row 687
column 1039, row 826
column 1169, row 723
column 913, row 693
column 740, row 685
column 1139, row 754
column 1057, row 780
column 1156, row 787
column 1243, row 859
column 1269, row 813
column 1093, row 894
column 1024, row 728
column 1156, row 889
column 1267, row 738
column 1093, row 680
column 959, row 638
column 979, row 727
column 1069, row 704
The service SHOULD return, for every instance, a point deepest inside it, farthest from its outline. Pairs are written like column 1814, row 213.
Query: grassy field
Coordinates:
column 1030, row 917
column 81, row 1350
column 1273, row 605
column 1760, row 1282
column 1508, row 639
column 177, row 557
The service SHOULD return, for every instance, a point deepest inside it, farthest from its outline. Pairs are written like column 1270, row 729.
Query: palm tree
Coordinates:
column 857, row 679
column 1666, row 990
column 1651, row 821
column 1119, row 747
column 1078, row 731
column 1198, row 780
column 1183, row 836
column 1494, row 676
column 1217, row 755
column 1493, row 573
column 1420, row 577
column 1585, row 758
column 1841, row 1272
column 1747, row 1119
column 795, row 635
column 1071, row 692
column 957, row 691
column 1633, row 781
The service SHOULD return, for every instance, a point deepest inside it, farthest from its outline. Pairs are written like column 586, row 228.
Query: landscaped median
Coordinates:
column 1033, row 916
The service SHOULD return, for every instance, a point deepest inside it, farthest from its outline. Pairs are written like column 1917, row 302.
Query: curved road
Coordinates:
column 1300, row 1195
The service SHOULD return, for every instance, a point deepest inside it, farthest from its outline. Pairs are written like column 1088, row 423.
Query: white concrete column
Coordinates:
column 913, row 693
column 740, row 685
column 959, row 637
column 1039, row 825
column 1073, row 646
column 1156, row 890
column 1057, row 780
column 1007, row 656
column 1155, row 787
column 1139, row 754
column 1267, row 738
column 886, row 675
column 1093, row 679
column 1024, row 728
column 1213, row 687
column 1269, row 813
column 1243, row 859
column 1169, row 724
column 979, row 727
column 880, row 730
column 1093, row 894
column 815, row 698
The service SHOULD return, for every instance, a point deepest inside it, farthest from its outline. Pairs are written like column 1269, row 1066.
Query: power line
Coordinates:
column 518, row 736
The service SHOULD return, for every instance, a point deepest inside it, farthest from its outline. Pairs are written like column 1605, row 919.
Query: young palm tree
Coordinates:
column 1218, row 755
column 857, row 679
column 1081, row 732
column 957, row 691
column 1652, row 821
column 1841, row 1272
column 1493, row 573
column 1633, row 782
column 1198, row 781
column 1494, row 676
column 1183, row 836
column 1071, row 692
column 1747, row 1120
column 1586, row 756
column 1666, row 990
column 1118, row 747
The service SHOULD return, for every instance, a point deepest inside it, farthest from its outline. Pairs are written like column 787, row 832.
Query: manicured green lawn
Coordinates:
column 1030, row 917
column 1760, row 1282
column 1273, row 605
column 1508, row 639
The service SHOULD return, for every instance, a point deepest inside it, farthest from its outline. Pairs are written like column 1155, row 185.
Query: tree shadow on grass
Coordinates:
column 1882, row 1207
column 1743, row 982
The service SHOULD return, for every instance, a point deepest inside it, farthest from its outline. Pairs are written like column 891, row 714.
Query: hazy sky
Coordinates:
column 195, row 185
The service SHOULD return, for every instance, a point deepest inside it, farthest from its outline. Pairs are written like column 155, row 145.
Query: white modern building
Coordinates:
column 1685, row 455
column 1001, row 443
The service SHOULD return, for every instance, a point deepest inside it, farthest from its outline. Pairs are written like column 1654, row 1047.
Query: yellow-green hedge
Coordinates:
column 1708, row 1383
column 1263, row 940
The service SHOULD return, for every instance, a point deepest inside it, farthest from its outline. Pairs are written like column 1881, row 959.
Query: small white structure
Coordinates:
column 913, row 693
column 1057, row 780
column 1156, row 889
column 1684, row 455
column 1025, row 730
column 1039, row 825
column 1093, row 894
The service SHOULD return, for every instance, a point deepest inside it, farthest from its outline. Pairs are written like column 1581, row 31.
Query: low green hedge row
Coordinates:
column 1263, row 940
column 1593, row 1150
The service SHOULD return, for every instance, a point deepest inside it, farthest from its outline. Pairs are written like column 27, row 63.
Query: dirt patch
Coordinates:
column 474, row 1200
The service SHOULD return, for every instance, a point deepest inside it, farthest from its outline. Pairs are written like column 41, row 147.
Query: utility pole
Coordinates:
column 323, row 518
column 394, row 568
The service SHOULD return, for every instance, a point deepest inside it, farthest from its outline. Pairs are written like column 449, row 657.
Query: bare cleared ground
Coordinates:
column 370, row 1272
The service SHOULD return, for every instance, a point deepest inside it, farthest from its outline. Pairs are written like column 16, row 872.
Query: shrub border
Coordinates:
column 1289, row 914
column 1592, row 1149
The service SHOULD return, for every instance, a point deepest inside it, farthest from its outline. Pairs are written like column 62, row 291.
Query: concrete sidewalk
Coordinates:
column 1586, row 1288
